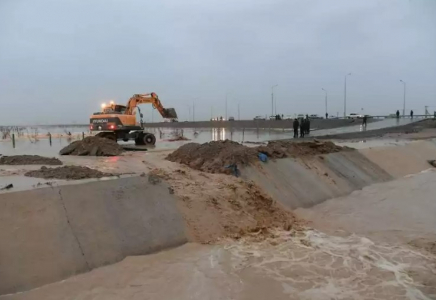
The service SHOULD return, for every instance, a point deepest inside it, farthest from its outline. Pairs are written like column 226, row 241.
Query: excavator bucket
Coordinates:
column 170, row 113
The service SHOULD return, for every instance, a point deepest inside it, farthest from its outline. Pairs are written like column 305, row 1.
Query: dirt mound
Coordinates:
column 215, row 206
column 280, row 149
column 93, row 146
column 67, row 172
column 29, row 160
column 213, row 157
column 179, row 138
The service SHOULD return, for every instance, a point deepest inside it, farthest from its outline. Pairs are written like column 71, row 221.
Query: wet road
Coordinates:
column 370, row 126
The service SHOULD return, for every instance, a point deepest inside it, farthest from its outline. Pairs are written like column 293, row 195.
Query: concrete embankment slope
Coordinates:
column 52, row 233
column 305, row 182
column 403, row 160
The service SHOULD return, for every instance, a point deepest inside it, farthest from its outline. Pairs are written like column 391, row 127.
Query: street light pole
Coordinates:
column 189, row 112
column 272, row 99
column 326, row 111
column 239, row 113
column 193, row 111
column 404, row 98
column 345, row 95
column 275, row 106
column 226, row 103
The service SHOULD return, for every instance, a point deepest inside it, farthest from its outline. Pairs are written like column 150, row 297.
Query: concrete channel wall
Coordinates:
column 50, row 234
column 309, row 181
column 403, row 160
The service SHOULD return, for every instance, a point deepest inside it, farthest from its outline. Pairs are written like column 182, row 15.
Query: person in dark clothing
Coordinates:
column 302, row 127
column 398, row 114
column 307, row 126
column 326, row 115
column 411, row 114
column 364, row 119
column 296, row 124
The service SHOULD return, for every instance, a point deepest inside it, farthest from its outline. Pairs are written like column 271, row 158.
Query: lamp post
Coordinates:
column 345, row 95
column 227, row 94
column 239, row 112
column 189, row 112
column 325, row 101
column 272, row 99
column 404, row 98
column 193, row 111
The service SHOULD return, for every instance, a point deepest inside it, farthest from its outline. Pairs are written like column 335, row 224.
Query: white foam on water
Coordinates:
column 313, row 265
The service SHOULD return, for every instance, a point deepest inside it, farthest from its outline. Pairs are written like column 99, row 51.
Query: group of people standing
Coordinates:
column 303, row 125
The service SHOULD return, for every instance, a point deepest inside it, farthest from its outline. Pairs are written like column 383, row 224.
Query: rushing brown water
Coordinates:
column 310, row 264
column 306, row 265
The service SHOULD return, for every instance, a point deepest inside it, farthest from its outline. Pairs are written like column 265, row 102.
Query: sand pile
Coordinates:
column 67, row 172
column 29, row 160
column 213, row 157
column 280, row 149
column 179, row 138
column 217, row 206
column 93, row 146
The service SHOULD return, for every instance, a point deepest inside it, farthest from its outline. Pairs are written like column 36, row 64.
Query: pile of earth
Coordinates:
column 280, row 149
column 93, row 146
column 216, row 156
column 179, row 138
column 217, row 206
column 67, row 172
column 29, row 160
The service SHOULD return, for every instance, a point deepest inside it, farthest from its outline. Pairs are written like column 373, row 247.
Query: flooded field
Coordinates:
column 29, row 145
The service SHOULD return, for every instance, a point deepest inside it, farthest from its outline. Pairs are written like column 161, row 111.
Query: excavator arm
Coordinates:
column 152, row 98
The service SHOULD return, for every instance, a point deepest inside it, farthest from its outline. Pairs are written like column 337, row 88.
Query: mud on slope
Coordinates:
column 213, row 157
column 216, row 206
column 67, row 172
column 29, row 160
column 93, row 146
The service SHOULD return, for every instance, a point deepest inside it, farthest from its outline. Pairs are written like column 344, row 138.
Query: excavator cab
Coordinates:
column 114, row 109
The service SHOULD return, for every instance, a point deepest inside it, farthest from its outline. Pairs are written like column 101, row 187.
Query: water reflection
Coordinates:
column 218, row 134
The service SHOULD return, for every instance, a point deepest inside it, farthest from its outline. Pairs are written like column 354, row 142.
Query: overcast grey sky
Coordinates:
column 60, row 59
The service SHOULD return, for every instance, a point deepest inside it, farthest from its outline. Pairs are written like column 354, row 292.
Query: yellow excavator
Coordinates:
column 118, row 122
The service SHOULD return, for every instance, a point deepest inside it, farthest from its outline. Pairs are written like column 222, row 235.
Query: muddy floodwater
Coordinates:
column 362, row 263
column 165, row 136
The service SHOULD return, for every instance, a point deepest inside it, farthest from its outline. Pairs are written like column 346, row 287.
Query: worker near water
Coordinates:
column 364, row 119
column 307, row 124
column 302, row 127
column 398, row 114
column 411, row 114
column 296, row 124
